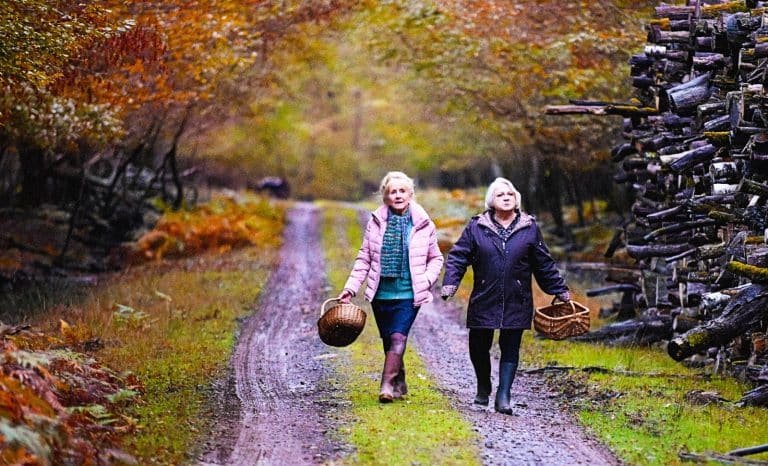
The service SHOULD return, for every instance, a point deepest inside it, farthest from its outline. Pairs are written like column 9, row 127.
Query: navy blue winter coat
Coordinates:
column 501, row 292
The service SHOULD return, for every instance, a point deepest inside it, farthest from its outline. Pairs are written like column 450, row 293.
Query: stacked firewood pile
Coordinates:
column 696, row 160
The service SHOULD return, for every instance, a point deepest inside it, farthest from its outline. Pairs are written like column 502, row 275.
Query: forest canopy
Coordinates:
column 107, row 106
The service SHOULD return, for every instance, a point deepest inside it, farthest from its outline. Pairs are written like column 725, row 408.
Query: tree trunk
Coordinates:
column 32, row 161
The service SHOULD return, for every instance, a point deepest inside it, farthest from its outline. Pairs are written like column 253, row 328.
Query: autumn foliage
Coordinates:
column 219, row 225
column 58, row 406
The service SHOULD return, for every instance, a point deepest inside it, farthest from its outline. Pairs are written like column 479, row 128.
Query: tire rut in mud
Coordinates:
column 537, row 433
column 286, row 399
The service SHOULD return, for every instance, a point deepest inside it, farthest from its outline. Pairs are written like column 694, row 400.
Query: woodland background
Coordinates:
column 112, row 110
column 117, row 119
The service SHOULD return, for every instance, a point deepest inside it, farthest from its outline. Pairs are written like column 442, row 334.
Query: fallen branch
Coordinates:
column 755, row 397
column 749, row 450
column 717, row 457
column 604, row 370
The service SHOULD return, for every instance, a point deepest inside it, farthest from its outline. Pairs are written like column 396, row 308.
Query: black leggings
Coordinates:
column 481, row 339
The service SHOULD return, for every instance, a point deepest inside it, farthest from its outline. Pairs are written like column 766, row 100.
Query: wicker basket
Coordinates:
column 341, row 324
column 561, row 320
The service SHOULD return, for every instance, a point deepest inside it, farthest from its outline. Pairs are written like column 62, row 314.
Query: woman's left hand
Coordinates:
column 345, row 297
column 565, row 296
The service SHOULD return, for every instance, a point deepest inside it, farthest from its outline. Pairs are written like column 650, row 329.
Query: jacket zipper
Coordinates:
column 503, row 282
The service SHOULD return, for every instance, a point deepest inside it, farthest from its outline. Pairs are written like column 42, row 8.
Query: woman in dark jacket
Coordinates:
column 504, row 247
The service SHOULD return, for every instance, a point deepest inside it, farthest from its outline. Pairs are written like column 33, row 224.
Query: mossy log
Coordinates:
column 678, row 227
column 748, row 186
column 746, row 311
column 754, row 273
column 721, row 217
column 718, row 138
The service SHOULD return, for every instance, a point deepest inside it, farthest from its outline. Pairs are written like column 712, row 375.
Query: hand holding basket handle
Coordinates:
column 565, row 297
column 345, row 296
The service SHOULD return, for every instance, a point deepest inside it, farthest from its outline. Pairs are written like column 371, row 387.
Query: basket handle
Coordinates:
column 554, row 319
column 573, row 306
column 322, row 306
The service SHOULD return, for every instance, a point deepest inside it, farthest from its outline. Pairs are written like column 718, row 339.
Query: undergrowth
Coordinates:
column 422, row 428
column 171, row 324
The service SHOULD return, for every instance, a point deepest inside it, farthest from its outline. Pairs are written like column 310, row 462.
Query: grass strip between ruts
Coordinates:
column 422, row 428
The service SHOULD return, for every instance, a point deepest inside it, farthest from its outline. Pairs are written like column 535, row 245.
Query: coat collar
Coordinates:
column 419, row 216
column 485, row 220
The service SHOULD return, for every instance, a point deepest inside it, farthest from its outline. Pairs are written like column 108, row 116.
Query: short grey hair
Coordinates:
column 501, row 183
column 394, row 176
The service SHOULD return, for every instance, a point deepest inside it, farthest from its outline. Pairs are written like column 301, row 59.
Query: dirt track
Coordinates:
column 285, row 404
column 285, row 398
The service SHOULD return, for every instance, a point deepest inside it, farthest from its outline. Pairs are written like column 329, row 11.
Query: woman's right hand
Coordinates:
column 345, row 297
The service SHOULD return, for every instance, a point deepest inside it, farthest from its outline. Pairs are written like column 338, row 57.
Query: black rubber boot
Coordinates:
column 506, row 376
column 483, row 392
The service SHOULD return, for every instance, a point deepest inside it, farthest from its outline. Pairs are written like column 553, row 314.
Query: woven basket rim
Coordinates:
column 570, row 316
column 323, row 310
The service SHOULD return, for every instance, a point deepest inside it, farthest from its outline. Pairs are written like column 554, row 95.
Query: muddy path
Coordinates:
column 538, row 433
column 280, row 404
column 284, row 391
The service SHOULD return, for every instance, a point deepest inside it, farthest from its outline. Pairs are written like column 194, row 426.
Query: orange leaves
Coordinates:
column 59, row 407
column 220, row 225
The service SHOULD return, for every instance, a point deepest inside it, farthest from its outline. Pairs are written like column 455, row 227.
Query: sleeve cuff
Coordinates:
column 448, row 290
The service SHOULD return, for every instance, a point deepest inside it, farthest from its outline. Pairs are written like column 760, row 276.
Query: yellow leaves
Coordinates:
column 74, row 335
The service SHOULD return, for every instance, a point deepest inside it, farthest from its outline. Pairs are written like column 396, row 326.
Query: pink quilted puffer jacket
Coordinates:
column 425, row 257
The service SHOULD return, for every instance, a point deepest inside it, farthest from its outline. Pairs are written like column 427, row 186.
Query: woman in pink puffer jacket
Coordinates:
column 401, row 259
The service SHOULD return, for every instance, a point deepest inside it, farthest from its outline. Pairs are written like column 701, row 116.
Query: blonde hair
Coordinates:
column 501, row 183
column 394, row 176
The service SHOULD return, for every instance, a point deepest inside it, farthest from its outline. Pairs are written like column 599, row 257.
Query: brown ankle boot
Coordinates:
column 392, row 364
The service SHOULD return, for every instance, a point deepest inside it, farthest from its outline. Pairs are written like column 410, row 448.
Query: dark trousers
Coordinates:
column 481, row 339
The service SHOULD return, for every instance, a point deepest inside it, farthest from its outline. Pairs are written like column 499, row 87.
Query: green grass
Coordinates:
column 182, row 346
column 422, row 428
column 640, row 409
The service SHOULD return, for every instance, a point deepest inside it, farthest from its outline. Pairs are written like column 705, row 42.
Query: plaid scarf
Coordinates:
column 394, row 249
